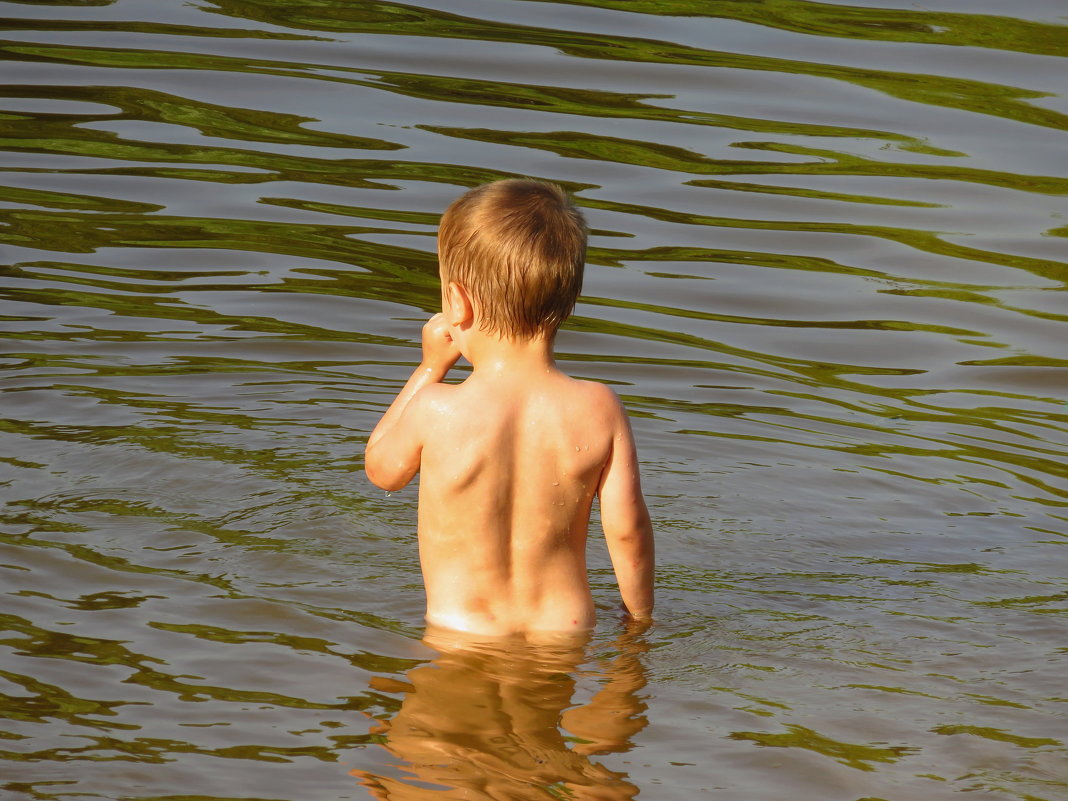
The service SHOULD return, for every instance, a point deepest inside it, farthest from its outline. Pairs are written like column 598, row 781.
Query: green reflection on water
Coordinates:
column 864, row 325
column 388, row 272
column 854, row 755
column 998, row 735
column 387, row 18
column 926, row 241
column 364, row 660
column 915, row 25
column 46, row 702
column 819, row 161
column 67, row 200
column 148, row 105
column 132, row 26
column 974, row 96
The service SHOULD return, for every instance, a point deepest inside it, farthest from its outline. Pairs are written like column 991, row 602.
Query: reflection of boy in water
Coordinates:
column 512, row 458
column 484, row 718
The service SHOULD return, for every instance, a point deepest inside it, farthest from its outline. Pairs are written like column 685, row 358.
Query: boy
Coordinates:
column 512, row 458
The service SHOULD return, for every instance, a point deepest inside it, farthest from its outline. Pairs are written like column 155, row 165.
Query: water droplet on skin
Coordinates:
column 556, row 483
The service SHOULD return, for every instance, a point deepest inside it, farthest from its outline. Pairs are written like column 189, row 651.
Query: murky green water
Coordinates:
column 827, row 276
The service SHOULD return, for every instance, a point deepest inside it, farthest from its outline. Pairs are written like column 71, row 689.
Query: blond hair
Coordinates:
column 518, row 247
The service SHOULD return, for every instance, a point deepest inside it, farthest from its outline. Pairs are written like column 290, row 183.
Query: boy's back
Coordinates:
column 510, row 467
column 512, row 458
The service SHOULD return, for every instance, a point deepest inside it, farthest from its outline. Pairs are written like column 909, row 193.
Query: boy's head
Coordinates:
column 518, row 248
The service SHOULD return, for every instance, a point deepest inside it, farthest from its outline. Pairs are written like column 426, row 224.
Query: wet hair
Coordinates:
column 518, row 247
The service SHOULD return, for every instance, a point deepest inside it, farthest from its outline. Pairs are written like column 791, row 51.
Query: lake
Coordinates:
column 827, row 277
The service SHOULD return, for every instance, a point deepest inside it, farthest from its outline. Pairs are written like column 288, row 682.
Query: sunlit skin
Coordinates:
column 510, row 462
column 484, row 720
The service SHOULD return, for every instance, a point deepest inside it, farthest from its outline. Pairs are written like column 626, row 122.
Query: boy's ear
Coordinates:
column 461, row 310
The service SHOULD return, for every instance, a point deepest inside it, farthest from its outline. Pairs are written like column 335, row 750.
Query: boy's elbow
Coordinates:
column 383, row 480
column 384, row 476
column 634, row 533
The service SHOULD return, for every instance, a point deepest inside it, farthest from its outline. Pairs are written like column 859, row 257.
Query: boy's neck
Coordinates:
column 489, row 353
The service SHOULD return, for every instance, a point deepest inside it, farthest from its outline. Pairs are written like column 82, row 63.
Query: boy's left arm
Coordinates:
column 393, row 450
column 625, row 519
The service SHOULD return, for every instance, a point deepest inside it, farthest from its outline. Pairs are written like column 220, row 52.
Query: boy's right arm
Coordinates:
column 628, row 530
column 393, row 450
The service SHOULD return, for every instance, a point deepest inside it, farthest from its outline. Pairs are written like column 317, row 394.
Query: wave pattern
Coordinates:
column 826, row 275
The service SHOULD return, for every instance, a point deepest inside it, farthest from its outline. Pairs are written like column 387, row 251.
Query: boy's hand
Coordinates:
column 393, row 450
column 439, row 350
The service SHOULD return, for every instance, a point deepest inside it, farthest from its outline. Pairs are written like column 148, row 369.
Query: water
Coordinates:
column 826, row 276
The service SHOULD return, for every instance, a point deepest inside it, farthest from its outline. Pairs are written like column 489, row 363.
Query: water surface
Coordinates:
column 827, row 277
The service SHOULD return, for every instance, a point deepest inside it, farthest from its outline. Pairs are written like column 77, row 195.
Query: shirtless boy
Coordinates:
column 512, row 458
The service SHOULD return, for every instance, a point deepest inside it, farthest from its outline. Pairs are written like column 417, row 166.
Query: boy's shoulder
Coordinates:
column 596, row 392
column 595, row 401
column 434, row 399
column 580, row 396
